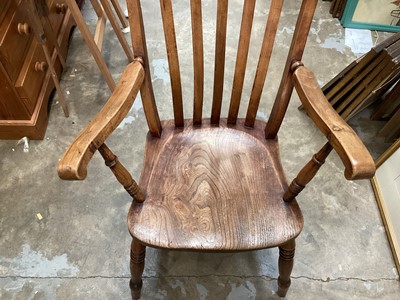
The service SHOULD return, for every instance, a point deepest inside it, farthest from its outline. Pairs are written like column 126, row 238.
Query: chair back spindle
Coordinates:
column 296, row 50
column 219, row 68
column 263, row 62
column 198, row 60
column 241, row 59
column 140, row 50
column 173, row 61
column 283, row 96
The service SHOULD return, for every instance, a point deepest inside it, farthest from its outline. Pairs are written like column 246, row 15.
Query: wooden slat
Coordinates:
column 377, row 91
column 97, row 8
column 80, row 22
column 386, row 102
column 370, row 85
column 325, row 89
column 391, row 130
column 295, row 54
column 341, row 10
column 101, row 23
column 36, row 11
column 387, row 43
column 220, row 44
column 56, row 82
column 343, row 82
column 356, row 80
column 263, row 62
column 117, row 29
column 99, row 32
column 198, row 60
column 366, row 60
column 120, row 13
column 393, row 49
column 173, row 62
column 332, row 6
column 38, row 16
column 49, row 32
column 140, row 49
column 361, row 86
column 336, row 9
column 241, row 60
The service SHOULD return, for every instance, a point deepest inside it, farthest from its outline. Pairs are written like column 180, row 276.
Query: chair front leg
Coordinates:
column 285, row 264
column 138, row 253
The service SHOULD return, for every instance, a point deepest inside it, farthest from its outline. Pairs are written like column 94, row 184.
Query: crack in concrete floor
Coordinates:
column 207, row 276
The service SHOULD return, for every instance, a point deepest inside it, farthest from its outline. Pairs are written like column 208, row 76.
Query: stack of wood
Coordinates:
column 389, row 110
column 370, row 78
column 337, row 8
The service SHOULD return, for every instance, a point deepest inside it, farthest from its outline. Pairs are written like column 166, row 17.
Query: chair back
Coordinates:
column 286, row 87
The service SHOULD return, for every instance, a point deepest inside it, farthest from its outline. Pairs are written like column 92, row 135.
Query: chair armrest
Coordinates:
column 357, row 161
column 73, row 164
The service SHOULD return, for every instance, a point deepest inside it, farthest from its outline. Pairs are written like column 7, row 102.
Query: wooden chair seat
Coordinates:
column 207, row 187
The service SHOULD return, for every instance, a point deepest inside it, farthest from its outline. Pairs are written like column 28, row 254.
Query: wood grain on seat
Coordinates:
column 213, row 188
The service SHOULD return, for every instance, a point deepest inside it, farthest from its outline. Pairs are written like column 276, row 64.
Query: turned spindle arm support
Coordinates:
column 121, row 173
column 307, row 173
column 74, row 162
column 356, row 159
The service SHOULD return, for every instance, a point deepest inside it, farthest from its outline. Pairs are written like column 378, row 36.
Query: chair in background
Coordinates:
column 216, row 184
column 103, row 11
column 38, row 15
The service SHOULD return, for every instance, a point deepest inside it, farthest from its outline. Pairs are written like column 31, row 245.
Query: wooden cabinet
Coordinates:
column 25, row 79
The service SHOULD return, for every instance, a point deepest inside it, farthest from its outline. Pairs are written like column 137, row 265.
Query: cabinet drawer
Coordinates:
column 4, row 4
column 11, row 106
column 57, row 8
column 13, row 42
column 30, row 79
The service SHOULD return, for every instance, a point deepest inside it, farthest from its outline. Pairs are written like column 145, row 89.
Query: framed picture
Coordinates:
column 383, row 15
column 386, row 185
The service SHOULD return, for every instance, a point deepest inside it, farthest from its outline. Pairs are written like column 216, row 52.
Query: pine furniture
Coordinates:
column 24, row 73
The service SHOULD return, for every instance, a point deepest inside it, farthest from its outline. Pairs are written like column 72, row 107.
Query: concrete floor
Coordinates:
column 80, row 249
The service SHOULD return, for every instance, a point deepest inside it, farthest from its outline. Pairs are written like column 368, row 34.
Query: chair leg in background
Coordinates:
column 285, row 264
column 138, row 253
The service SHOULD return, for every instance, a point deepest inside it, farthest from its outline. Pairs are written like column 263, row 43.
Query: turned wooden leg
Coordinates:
column 138, row 253
column 286, row 254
